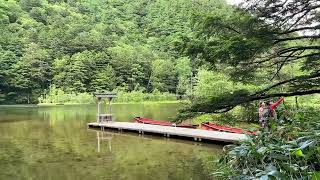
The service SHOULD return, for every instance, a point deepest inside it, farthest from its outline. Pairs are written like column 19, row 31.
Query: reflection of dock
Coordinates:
column 103, row 137
column 196, row 134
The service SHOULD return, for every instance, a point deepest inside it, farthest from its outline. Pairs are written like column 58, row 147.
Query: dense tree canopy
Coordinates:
column 94, row 45
column 257, row 44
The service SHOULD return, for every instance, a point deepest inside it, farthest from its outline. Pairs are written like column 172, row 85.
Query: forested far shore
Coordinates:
column 96, row 45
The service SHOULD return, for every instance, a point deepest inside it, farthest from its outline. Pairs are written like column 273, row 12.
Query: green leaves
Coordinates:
column 316, row 175
column 298, row 153
column 163, row 77
column 270, row 155
column 260, row 44
column 97, row 45
column 84, row 72
column 184, row 73
column 262, row 150
column 104, row 80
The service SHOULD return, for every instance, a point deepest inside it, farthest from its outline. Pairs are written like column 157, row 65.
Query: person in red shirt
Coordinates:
column 273, row 106
column 267, row 111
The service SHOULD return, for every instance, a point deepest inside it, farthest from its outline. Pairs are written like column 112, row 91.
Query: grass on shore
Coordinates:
column 143, row 102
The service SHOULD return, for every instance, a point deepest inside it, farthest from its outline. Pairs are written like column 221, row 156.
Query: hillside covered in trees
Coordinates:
column 220, row 55
column 95, row 45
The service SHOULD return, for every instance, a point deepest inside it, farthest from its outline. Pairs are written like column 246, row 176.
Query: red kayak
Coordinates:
column 162, row 123
column 214, row 127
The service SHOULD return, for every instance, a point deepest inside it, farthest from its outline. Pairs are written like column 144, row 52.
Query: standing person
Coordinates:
column 273, row 106
column 267, row 111
column 263, row 114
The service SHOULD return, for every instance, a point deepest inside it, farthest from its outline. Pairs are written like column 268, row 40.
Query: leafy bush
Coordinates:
column 138, row 96
column 57, row 96
column 305, row 101
column 290, row 151
column 211, row 84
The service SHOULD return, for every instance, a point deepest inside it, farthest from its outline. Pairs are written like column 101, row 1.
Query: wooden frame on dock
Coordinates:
column 104, row 117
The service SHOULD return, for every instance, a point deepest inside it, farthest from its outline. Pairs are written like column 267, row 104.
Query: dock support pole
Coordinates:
column 110, row 107
column 98, row 138
column 98, row 113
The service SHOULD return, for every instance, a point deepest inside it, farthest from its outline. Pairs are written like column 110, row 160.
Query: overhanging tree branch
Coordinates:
column 300, row 29
column 281, row 65
column 297, row 48
column 221, row 107
column 299, row 78
column 296, row 38
column 273, row 31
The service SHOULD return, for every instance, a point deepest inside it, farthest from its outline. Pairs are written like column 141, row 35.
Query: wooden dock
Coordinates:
column 168, row 131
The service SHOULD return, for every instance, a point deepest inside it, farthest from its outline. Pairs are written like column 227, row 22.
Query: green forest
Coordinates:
column 196, row 48
column 93, row 46
column 224, row 58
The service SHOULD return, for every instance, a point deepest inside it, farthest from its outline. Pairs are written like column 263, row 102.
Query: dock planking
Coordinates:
column 196, row 134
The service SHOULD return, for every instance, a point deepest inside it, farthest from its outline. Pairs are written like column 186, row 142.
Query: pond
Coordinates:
column 54, row 143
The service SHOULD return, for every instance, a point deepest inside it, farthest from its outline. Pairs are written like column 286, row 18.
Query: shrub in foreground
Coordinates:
column 289, row 151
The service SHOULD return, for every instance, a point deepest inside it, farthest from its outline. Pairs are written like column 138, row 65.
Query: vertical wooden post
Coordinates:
column 110, row 108
column 98, row 138
column 109, row 142
column 98, row 113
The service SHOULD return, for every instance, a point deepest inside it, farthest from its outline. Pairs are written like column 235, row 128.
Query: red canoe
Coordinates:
column 205, row 126
column 214, row 127
column 162, row 123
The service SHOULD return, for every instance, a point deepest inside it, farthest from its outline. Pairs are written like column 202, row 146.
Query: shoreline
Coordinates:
column 73, row 104
column 142, row 102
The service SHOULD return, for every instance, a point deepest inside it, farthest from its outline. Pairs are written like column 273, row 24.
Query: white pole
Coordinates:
column 98, row 114
column 110, row 109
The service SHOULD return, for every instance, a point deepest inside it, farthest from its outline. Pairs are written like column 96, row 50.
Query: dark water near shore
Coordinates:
column 54, row 143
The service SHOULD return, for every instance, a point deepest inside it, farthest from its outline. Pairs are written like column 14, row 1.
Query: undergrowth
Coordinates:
column 288, row 150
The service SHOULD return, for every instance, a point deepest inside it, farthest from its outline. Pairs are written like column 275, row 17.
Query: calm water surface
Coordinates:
column 54, row 143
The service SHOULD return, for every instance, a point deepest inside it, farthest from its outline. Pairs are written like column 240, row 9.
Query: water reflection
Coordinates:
column 103, row 136
column 54, row 143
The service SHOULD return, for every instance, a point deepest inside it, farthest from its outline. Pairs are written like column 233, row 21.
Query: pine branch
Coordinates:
column 300, row 29
column 298, row 78
column 296, row 38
